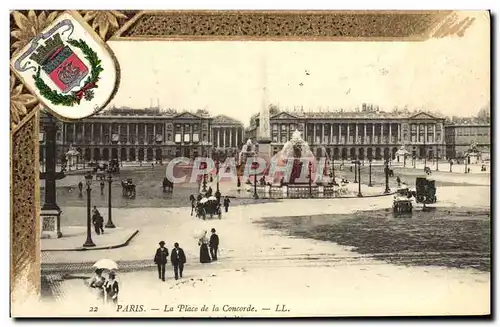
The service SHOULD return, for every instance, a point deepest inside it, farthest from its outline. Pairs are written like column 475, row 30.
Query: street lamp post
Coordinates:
column 217, row 164
column 437, row 158
column 88, row 243
column 109, row 224
column 255, row 195
column 414, row 159
column 355, row 171
column 370, row 181
column 310, row 178
column 333, row 169
column 359, row 179
column 404, row 160
column 465, row 160
column 386, row 169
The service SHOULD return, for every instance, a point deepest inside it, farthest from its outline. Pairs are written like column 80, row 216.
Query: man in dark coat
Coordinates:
column 214, row 245
column 161, row 260
column 98, row 222
column 102, row 187
column 80, row 186
column 226, row 203
column 178, row 259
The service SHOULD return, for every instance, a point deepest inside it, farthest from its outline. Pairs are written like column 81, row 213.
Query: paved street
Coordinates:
column 254, row 257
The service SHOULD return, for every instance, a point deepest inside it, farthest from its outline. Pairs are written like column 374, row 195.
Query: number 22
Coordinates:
column 93, row 309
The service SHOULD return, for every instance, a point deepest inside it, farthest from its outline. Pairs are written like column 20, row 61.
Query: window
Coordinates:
column 195, row 127
column 196, row 137
column 283, row 138
column 413, row 129
column 178, row 138
column 283, row 127
column 275, row 139
column 187, row 138
column 292, row 127
column 275, row 127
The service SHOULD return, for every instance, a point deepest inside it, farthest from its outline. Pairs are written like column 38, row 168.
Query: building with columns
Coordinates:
column 360, row 134
column 460, row 137
column 147, row 135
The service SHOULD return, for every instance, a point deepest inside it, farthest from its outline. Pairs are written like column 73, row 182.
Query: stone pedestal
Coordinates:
column 50, row 223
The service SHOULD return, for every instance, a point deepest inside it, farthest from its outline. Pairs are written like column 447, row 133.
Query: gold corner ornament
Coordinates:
column 68, row 67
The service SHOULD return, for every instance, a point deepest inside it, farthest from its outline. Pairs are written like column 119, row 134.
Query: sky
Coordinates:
column 450, row 75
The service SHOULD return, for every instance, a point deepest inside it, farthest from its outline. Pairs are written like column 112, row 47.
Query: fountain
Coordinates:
column 298, row 150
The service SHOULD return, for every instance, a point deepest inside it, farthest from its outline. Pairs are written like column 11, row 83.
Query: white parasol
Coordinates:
column 105, row 264
column 204, row 200
column 212, row 198
column 199, row 233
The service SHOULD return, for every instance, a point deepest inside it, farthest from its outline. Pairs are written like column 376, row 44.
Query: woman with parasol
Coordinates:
column 97, row 283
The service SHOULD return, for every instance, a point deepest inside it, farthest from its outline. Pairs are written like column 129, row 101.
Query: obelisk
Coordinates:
column 264, row 131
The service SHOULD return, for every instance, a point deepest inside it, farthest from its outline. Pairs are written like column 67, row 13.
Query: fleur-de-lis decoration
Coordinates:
column 29, row 26
column 20, row 103
column 103, row 21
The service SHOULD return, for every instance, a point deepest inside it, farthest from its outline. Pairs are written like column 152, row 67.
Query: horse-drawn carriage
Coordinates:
column 114, row 166
column 208, row 206
column 168, row 185
column 128, row 188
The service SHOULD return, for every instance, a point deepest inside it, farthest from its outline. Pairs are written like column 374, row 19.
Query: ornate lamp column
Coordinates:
column 370, row 181
column 50, row 213
column 359, row 178
column 88, row 242
column 386, row 169
column 109, row 224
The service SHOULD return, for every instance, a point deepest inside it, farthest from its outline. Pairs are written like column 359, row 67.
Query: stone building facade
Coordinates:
column 460, row 137
column 360, row 134
column 147, row 135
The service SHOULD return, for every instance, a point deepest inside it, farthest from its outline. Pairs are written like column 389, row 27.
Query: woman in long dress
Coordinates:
column 97, row 282
column 112, row 288
column 204, row 254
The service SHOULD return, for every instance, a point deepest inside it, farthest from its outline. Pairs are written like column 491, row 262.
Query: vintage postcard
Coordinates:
column 250, row 163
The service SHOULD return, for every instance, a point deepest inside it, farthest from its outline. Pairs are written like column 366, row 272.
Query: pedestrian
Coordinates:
column 178, row 260
column 214, row 244
column 112, row 289
column 199, row 197
column 398, row 180
column 226, row 202
column 218, row 196
column 97, row 282
column 209, row 192
column 80, row 186
column 98, row 222
column 193, row 203
column 203, row 243
column 102, row 187
column 161, row 260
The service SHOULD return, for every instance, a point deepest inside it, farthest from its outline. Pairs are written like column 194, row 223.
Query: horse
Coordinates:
column 168, row 186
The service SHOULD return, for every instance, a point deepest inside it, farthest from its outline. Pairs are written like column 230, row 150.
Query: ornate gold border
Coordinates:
column 114, row 25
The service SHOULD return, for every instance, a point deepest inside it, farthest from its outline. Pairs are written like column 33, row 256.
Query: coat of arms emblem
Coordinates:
column 69, row 68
